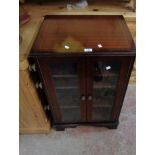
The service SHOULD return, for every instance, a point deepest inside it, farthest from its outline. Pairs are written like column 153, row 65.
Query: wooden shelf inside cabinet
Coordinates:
column 84, row 84
column 99, row 86
column 69, row 107
column 61, row 88
column 64, row 76
column 109, row 74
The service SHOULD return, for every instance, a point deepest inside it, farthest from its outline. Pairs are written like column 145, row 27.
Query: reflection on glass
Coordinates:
column 104, row 89
column 65, row 79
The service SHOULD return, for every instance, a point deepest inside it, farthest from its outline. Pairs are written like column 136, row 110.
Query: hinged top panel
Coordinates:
column 83, row 34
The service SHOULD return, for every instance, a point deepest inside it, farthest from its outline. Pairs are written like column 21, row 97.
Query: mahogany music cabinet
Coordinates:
column 83, row 65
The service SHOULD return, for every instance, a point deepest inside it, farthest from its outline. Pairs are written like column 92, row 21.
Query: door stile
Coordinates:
column 89, row 88
column 82, row 85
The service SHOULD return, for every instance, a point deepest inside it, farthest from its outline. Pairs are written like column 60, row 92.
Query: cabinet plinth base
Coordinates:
column 109, row 125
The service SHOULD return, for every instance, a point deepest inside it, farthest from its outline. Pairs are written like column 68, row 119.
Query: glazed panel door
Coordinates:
column 106, row 77
column 64, row 81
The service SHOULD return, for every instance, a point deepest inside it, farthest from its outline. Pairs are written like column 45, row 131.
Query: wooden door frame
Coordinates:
column 48, row 83
column 122, row 82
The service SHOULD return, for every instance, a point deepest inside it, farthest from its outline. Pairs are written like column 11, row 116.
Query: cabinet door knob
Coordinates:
column 90, row 98
column 83, row 98
column 40, row 85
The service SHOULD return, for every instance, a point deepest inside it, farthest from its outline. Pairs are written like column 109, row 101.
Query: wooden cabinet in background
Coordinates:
column 32, row 118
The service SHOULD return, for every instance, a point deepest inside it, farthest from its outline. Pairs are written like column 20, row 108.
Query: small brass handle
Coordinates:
column 83, row 98
column 90, row 98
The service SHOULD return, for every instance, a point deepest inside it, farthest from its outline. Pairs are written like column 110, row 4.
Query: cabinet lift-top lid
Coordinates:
column 83, row 34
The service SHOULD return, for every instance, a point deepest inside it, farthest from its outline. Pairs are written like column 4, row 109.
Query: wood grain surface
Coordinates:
column 32, row 118
column 83, row 32
column 28, row 33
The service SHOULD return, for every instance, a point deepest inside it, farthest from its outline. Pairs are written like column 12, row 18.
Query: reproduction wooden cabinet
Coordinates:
column 84, row 65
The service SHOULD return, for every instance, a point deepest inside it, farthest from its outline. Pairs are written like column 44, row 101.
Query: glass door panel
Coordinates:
column 105, row 76
column 66, row 83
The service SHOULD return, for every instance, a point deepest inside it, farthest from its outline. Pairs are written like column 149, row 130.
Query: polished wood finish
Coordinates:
column 29, row 30
column 64, row 39
column 105, row 34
